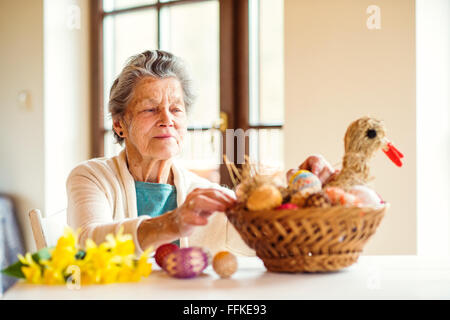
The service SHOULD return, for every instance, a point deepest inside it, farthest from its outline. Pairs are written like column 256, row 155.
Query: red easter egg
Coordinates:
column 163, row 251
column 287, row 206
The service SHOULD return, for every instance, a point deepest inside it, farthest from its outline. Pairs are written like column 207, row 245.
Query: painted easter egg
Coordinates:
column 265, row 197
column 163, row 251
column 317, row 200
column 225, row 264
column 339, row 196
column 299, row 197
column 186, row 262
column 366, row 196
column 304, row 180
column 287, row 206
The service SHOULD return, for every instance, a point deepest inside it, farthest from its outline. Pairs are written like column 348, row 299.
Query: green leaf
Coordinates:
column 43, row 254
column 15, row 270
column 80, row 255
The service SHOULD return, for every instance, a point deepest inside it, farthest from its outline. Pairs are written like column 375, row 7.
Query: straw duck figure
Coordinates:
column 363, row 138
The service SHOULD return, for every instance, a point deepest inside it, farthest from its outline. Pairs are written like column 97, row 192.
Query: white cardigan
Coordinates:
column 102, row 198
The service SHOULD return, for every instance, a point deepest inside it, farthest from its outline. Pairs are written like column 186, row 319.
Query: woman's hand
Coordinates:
column 318, row 166
column 199, row 205
column 195, row 211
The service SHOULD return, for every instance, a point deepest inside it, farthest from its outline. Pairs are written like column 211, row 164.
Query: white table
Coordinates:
column 372, row 277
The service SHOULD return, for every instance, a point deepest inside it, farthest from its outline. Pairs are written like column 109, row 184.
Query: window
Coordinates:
column 266, row 105
column 234, row 50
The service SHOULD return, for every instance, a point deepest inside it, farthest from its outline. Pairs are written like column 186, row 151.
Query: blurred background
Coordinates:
column 293, row 74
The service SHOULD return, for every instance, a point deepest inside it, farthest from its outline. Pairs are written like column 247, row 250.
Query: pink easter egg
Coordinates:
column 186, row 262
column 366, row 196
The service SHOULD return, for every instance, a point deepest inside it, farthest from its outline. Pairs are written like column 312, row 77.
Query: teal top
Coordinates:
column 155, row 199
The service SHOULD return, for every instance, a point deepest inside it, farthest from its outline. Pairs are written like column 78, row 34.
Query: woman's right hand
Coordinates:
column 199, row 205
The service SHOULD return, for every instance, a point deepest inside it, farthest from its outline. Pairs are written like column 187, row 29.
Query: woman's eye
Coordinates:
column 150, row 110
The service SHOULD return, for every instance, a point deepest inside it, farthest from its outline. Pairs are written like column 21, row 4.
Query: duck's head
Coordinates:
column 367, row 135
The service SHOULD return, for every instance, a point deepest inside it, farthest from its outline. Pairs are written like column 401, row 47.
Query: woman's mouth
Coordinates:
column 163, row 136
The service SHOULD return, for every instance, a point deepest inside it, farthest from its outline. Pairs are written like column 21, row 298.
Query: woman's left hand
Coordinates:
column 319, row 166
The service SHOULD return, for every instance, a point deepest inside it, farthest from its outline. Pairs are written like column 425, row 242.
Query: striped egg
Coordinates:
column 305, row 180
column 186, row 262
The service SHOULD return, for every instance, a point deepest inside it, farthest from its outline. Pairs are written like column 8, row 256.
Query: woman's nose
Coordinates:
column 165, row 118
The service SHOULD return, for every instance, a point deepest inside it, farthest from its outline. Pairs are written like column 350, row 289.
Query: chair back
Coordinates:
column 46, row 231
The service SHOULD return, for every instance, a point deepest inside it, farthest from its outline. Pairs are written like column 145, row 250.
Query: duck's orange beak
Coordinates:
column 392, row 152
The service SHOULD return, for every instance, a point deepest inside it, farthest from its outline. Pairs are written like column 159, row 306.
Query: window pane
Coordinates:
column 266, row 147
column 111, row 5
column 266, row 62
column 124, row 36
column 202, row 153
column 191, row 31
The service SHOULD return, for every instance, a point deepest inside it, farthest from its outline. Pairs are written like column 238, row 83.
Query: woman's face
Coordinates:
column 155, row 119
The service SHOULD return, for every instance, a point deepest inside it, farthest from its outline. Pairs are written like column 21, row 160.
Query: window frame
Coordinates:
column 234, row 70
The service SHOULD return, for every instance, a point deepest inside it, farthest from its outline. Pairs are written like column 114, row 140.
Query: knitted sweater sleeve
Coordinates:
column 91, row 204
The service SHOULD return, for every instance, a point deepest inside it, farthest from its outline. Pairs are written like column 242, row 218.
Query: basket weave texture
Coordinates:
column 307, row 240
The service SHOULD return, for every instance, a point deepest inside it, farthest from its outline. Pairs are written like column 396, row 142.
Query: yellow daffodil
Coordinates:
column 31, row 270
column 53, row 276
column 127, row 274
column 111, row 261
column 144, row 268
column 64, row 253
column 121, row 244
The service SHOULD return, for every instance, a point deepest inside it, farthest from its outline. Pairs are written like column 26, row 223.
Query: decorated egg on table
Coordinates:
column 265, row 197
column 338, row 196
column 366, row 195
column 163, row 251
column 304, row 180
column 186, row 262
column 224, row 264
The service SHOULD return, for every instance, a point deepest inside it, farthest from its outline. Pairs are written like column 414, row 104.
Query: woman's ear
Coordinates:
column 119, row 128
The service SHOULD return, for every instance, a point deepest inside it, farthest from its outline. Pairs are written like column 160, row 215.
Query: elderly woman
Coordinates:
column 143, row 190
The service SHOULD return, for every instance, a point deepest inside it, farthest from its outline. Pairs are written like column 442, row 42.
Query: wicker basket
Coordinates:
column 307, row 240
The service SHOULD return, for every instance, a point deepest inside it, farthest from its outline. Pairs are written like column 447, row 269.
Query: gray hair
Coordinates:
column 152, row 63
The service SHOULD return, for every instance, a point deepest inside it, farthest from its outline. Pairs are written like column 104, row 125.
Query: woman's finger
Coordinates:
column 290, row 173
column 325, row 174
column 204, row 203
column 194, row 218
column 332, row 177
column 313, row 164
column 317, row 167
column 215, row 194
column 220, row 193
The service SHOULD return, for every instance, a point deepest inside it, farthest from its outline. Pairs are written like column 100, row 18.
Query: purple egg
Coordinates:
column 186, row 262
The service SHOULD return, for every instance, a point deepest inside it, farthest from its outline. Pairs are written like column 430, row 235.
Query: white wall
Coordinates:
column 66, row 97
column 22, row 129
column 337, row 70
column 433, row 126
column 40, row 144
